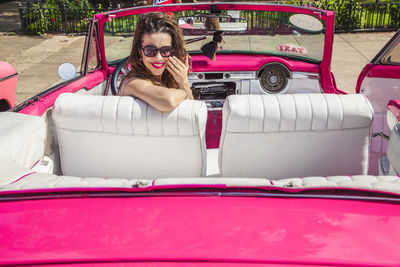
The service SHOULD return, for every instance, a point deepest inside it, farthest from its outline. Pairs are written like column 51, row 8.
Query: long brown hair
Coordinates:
column 156, row 22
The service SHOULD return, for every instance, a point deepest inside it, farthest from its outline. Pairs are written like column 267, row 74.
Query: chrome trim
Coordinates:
column 86, row 50
column 392, row 197
column 233, row 75
column 305, row 75
column 252, row 75
column 9, row 77
column 243, row 75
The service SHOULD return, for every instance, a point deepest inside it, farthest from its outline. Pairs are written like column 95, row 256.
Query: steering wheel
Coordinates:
column 119, row 72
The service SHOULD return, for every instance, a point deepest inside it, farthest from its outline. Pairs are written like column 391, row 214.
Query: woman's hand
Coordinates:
column 179, row 71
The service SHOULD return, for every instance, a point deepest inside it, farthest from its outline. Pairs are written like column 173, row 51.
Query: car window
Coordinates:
column 93, row 56
column 393, row 57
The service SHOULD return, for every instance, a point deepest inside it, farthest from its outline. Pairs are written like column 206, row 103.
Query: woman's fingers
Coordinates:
column 171, row 68
column 178, row 64
column 175, row 63
column 173, row 71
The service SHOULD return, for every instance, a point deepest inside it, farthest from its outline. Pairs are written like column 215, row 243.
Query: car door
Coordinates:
column 379, row 81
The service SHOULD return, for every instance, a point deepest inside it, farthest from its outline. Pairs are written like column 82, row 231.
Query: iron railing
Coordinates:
column 351, row 16
column 37, row 18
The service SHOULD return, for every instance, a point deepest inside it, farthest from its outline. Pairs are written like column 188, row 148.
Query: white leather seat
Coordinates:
column 393, row 150
column 22, row 138
column 123, row 137
column 282, row 136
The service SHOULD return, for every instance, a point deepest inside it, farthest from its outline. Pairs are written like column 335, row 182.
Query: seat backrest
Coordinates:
column 281, row 136
column 393, row 150
column 123, row 137
column 22, row 138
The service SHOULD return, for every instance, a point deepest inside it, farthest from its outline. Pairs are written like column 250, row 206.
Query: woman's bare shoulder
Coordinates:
column 131, row 85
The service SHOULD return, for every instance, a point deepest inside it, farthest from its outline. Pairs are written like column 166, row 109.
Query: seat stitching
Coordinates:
column 342, row 119
column 162, row 123
column 147, row 123
column 198, row 118
column 132, row 105
column 249, row 117
column 312, row 112
column 191, row 118
column 224, row 132
column 202, row 144
column 295, row 113
column 177, row 120
column 280, row 114
column 116, row 115
column 327, row 112
column 264, row 116
column 101, row 114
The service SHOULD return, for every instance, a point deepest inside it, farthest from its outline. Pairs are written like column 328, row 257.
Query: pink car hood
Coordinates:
column 200, row 229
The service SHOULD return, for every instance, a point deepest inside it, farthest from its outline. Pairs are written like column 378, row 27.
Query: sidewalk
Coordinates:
column 37, row 58
column 9, row 16
column 351, row 52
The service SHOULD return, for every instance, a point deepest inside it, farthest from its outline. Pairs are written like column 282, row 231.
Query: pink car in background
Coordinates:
column 8, row 86
column 271, row 164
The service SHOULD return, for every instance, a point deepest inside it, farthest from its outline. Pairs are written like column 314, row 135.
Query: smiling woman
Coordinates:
column 159, row 63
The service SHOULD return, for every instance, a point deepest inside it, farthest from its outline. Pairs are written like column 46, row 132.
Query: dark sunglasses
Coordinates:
column 151, row 51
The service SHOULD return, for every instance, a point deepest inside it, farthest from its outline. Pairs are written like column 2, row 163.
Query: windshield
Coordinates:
column 275, row 33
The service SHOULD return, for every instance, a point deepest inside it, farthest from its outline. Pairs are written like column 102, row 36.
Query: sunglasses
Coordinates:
column 152, row 51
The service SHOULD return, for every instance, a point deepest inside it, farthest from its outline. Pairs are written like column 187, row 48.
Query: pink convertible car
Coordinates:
column 271, row 164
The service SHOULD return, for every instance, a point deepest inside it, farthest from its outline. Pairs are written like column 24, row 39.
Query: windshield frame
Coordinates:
column 326, row 16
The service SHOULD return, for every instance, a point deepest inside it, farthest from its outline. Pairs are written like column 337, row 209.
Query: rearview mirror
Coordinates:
column 206, row 22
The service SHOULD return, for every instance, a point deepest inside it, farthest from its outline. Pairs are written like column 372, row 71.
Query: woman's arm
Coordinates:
column 179, row 71
column 159, row 97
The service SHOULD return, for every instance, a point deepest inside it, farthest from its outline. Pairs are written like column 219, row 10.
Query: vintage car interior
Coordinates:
column 267, row 116
column 278, row 140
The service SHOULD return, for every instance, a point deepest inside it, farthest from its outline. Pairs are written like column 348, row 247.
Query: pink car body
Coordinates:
column 203, row 224
column 8, row 86
column 199, row 230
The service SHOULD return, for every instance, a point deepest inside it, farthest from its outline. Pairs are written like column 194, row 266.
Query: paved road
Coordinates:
column 37, row 58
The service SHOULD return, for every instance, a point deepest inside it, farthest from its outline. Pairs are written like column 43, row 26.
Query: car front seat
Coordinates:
column 123, row 137
column 283, row 136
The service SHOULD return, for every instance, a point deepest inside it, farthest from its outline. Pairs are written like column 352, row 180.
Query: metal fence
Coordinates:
column 38, row 19
column 351, row 16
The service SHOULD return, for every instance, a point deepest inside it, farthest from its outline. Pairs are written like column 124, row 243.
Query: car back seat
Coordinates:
column 123, row 137
column 282, row 136
column 22, row 138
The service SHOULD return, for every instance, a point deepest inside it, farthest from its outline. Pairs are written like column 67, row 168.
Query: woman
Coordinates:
column 159, row 63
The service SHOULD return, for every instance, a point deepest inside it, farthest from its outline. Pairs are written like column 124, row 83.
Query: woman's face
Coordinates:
column 156, row 65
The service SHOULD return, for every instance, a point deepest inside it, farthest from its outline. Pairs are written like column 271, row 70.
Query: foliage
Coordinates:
column 395, row 15
column 348, row 14
column 58, row 16
column 71, row 15
column 121, row 25
column 354, row 14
